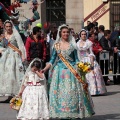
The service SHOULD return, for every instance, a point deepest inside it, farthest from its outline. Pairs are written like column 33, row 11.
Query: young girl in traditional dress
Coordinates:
column 33, row 92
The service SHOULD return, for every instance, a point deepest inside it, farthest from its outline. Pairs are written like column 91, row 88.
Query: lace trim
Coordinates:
column 70, row 115
column 67, row 52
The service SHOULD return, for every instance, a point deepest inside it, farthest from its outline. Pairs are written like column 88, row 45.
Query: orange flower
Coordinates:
column 67, row 76
column 55, row 91
column 67, row 109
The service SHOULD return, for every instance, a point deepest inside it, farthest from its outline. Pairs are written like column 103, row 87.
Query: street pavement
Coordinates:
column 107, row 107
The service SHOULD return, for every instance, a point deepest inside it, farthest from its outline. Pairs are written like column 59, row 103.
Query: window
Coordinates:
column 114, row 14
column 55, row 11
column 6, row 2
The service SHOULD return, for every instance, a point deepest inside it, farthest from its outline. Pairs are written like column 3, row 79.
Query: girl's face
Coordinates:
column 34, row 69
column 83, row 35
column 65, row 33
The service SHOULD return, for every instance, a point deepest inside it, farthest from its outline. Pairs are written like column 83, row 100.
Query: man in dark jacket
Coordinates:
column 106, row 45
column 35, row 46
column 115, row 40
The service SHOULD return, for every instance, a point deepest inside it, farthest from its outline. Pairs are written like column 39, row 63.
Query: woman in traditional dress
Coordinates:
column 67, row 98
column 85, row 54
column 11, row 68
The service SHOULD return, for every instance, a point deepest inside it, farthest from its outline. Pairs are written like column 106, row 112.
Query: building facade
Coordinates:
column 63, row 11
column 56, row 11
column 75, row 13
column 105, row 12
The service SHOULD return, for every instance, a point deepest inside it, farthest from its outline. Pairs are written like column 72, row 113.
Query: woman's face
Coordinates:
column 8, row 27
column 1, row 24
column 65, row 33
column 83, row 35
column 42, row 34
column 92, row 37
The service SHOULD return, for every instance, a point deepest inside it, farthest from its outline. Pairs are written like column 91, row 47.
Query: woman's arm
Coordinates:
column 23, row 84
column 91, row 55
column 52, row 60
column 76, row 56
column 20, row 43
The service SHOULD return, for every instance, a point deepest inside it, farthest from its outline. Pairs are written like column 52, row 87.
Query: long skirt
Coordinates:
column 11, row 72
column 67, row 99
column 35, row 104
column 95, row 79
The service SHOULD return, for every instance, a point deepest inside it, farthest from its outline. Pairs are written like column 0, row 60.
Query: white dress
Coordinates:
column 94, row 79
column 35, row 101
column 11, row 67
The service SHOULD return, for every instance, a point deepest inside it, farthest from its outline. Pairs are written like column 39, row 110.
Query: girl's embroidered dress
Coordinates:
column 94, row 79
column 66, row 97
column 35, row 102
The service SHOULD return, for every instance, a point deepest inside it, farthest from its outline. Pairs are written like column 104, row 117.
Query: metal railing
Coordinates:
column 105, row 57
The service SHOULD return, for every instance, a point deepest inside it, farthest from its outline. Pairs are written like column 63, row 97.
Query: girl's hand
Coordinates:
column 40, row 74
column 37, row 72
column 20, row 94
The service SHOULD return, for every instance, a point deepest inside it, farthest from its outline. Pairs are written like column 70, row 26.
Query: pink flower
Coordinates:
column 63, row 109
column 63, row 71
column 67, row 76
column 67, row 109
column 62, row 76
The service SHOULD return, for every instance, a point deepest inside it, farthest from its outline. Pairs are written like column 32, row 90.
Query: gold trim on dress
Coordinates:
column 14, row 48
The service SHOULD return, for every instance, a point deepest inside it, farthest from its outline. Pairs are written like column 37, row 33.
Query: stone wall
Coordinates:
column 74, row 14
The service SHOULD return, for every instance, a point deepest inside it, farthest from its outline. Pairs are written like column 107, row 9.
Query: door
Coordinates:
column 114, row 14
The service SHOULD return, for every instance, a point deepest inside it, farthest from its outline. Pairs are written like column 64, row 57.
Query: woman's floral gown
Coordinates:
column 94, row 78
column 67, row 98
column 11, row 67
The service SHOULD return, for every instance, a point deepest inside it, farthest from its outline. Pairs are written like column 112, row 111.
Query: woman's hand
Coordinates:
column 92, row 60
column 0, row 51
column 23, row 59
column 43, row 71
column 1, row 37
column 100, row 50
column 93, row 72
column 46, row 68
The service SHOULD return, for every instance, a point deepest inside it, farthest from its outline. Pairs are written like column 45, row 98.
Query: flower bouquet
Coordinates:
column 84, row 68
column 15, row 103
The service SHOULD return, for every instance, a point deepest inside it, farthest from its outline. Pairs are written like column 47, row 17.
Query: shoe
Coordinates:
column 107, row 84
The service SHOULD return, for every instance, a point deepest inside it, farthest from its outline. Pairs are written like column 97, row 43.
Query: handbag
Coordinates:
column 16, row 102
